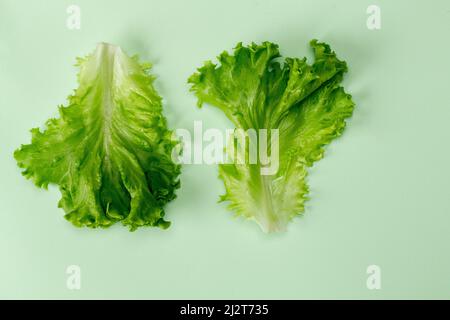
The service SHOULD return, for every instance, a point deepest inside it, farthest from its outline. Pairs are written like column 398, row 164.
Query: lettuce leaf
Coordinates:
column 304, row 102
column 110, row 149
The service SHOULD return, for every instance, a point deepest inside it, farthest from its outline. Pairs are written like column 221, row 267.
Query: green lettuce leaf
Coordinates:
column 110, row 149
column 304, row 102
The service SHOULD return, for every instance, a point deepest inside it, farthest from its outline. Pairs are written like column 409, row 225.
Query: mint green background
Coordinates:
column 380, row 196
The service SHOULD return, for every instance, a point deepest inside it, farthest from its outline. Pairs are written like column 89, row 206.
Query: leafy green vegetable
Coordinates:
column 304, row 102
column 110, row 150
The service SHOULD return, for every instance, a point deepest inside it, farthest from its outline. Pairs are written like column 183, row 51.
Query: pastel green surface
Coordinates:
column 380, row 196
